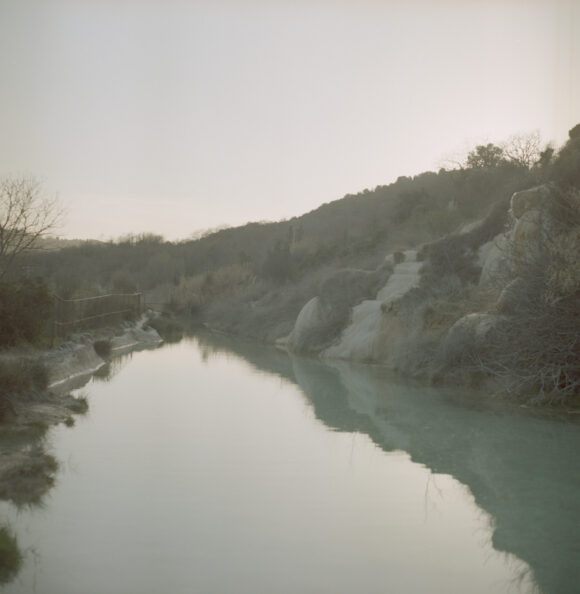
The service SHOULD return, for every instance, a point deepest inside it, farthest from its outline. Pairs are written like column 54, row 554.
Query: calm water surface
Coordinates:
column 229, row 468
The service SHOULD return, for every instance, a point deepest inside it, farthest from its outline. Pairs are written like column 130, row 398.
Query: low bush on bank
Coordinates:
column 19, row 376
column 102, row 348
column 22, row 374
column 25, row 307
column 168, row 327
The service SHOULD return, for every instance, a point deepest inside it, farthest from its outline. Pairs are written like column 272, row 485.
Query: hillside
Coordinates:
column 326, row 282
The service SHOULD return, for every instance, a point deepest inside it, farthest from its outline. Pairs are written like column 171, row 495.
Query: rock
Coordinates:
column 374, row 326
column 508, row 298
column 494, row 259
column 404, row 278
column 527, row 200
column 311, row 319
column 527, row 227
column 469, row 331
column 499, row 258
column 360, row 341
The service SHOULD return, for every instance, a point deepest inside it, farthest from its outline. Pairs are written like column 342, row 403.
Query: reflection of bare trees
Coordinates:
column 26, row 475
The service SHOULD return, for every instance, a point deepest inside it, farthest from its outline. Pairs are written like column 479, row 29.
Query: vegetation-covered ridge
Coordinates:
column 255, row 280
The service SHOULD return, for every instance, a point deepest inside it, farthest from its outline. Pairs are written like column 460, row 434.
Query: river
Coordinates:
column 218, row 466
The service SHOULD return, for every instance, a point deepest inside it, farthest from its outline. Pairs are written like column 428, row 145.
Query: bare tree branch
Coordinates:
column 523, row 149
column 26, row 215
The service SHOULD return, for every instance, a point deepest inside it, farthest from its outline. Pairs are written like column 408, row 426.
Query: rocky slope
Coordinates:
column 431, row 319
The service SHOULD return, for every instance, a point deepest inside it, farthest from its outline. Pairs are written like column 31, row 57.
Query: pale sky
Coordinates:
column 171, row 116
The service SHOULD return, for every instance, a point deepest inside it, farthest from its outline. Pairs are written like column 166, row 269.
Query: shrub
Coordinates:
column 566, row 166
column 78, row 405
column 102, row 348
column 278, row 264
column 167, row 327
column 536, row 349
column 451, row 255
column 25, row 307
column 398, row 257
column 18, row 377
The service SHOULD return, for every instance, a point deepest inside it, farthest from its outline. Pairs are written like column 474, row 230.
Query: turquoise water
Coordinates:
column 218, row 467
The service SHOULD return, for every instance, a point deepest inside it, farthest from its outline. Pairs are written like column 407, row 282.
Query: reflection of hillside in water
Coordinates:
column 521, row 470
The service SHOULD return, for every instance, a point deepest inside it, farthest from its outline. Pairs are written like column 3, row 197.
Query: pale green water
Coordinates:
column 201, row 471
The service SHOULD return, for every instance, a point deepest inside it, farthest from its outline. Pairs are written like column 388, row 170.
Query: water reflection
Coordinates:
column 27, row 476
column 108, row 371
column 521, row 470
column 10, row 556
column 28, row 469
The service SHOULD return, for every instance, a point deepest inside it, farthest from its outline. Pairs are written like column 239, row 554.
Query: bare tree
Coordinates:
column 26, row 215
column 523, row 149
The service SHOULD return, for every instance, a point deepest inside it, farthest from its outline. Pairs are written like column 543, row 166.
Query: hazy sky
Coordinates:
column 171, row 116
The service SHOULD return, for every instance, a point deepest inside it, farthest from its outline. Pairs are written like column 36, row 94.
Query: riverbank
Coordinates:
column 26, row 470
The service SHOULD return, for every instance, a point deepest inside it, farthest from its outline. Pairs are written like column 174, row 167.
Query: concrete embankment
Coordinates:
column 78, row 357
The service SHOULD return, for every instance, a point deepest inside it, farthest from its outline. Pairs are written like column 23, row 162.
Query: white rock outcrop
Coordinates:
column 492, row 257
column 497, row 256
column 370, row 331
column 311, row 317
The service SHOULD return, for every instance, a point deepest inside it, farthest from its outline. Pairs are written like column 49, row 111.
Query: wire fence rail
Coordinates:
column 74, row 315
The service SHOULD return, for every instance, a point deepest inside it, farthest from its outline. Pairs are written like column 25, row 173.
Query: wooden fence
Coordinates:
column 74, row 315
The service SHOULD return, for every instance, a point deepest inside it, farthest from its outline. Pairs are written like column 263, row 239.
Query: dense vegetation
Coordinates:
column 25, row 307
